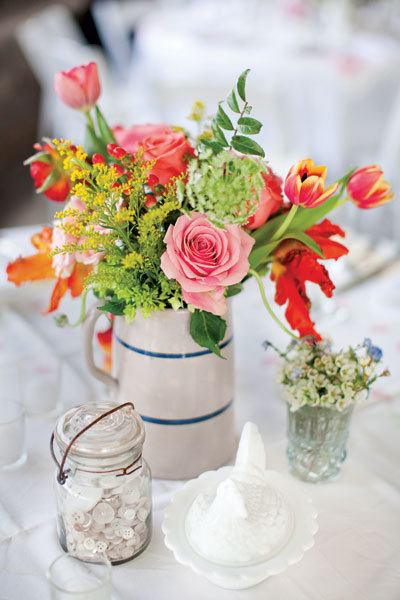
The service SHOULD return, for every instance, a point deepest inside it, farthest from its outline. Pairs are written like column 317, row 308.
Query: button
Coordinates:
column 109, row 533
column 78, row 536
column 101, row 546
column 126, row 551
column 103, row 513
column 127, row 533
column 77, row 516
column 89, row 543
column 115, row 501
column 134, row 541
column 142, row 514
column 128, row 514
column 141, row 529
column 87, row 521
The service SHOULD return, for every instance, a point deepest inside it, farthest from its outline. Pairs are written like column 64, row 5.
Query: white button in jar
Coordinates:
column 89, row 543
column 103, row 513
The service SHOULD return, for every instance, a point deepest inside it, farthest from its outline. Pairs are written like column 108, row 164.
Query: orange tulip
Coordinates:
column 304, row 184
column 368, row 189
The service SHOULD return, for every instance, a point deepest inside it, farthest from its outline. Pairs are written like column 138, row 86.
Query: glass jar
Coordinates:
column 103, row 485
column 317, row 439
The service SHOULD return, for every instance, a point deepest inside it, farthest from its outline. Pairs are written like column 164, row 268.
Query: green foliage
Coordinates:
column 207, row 330
column 234, row 289
column 93, row 144
column 225, row 187
column 245, row 125
column 241, row 84
column 106, row 134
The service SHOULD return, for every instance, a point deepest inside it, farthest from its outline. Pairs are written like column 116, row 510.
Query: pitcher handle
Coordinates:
column 88, row 330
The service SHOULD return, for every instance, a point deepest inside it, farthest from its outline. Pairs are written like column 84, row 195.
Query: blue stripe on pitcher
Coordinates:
column 187, row 421
column 165, row 355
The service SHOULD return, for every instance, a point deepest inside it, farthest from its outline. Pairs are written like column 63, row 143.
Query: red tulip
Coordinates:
column 78, row 88
column 304, row 185
column 368, row 189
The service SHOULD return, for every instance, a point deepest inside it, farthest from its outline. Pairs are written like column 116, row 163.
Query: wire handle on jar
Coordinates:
column 62, row 474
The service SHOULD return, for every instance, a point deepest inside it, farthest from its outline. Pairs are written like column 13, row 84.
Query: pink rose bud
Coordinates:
column 368, row 189
column 111, row 148
column 78, row 88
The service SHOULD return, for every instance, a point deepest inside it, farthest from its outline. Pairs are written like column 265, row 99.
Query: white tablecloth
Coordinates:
column 357, row 551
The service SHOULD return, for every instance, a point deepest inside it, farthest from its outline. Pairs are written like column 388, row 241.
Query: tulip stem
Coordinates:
column 90, row 120
column 267, row 306
column 283, row 227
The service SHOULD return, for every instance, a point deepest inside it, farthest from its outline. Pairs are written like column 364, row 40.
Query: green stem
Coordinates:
column 62, row 320
column 267, row 306
column 289, row 218
column 90, row 120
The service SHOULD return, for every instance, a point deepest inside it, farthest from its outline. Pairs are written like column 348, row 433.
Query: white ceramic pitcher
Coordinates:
column 184, row 393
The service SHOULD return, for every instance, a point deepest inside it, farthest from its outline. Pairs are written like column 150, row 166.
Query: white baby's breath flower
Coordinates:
column 348, row 372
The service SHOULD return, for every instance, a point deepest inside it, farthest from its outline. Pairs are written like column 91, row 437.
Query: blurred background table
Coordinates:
column 356, row 552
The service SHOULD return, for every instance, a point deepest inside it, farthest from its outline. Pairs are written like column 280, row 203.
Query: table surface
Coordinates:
column 356, row 553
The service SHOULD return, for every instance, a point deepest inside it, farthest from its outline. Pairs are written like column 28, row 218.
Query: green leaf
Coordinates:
column 93, row 144
column 43, row 157
column 247, row 110
column 215, row 146
column 113, row 306
column 241, row 84
column 259, row 253
column 249, row 126
column 305, row 239
column 233, row 289
column 232, row 102
column 219, row 135
column 207, row 330
column 50, row 180
column 223, row 120
column 246, row 145
column 106, row 134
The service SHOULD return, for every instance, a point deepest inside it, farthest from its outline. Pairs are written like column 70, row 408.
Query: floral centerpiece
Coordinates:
column 156, row 219
column 321, row 388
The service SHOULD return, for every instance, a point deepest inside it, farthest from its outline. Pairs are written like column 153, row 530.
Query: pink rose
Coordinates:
column 269, row 202
column 79, row 87
column 63, row 264
column 205, row 259
column 130, row 139
column 168, row 149
column 91, row 257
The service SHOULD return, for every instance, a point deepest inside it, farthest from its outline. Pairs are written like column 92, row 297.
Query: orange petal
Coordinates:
column 31, row 268
column 77, row 278
column 58, row 292
column 42, row 240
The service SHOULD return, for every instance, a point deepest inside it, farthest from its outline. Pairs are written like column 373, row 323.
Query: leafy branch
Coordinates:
column 245, row 125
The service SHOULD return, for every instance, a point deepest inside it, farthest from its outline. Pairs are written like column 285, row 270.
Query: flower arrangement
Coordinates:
column 157, row 219
column 314, row 375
